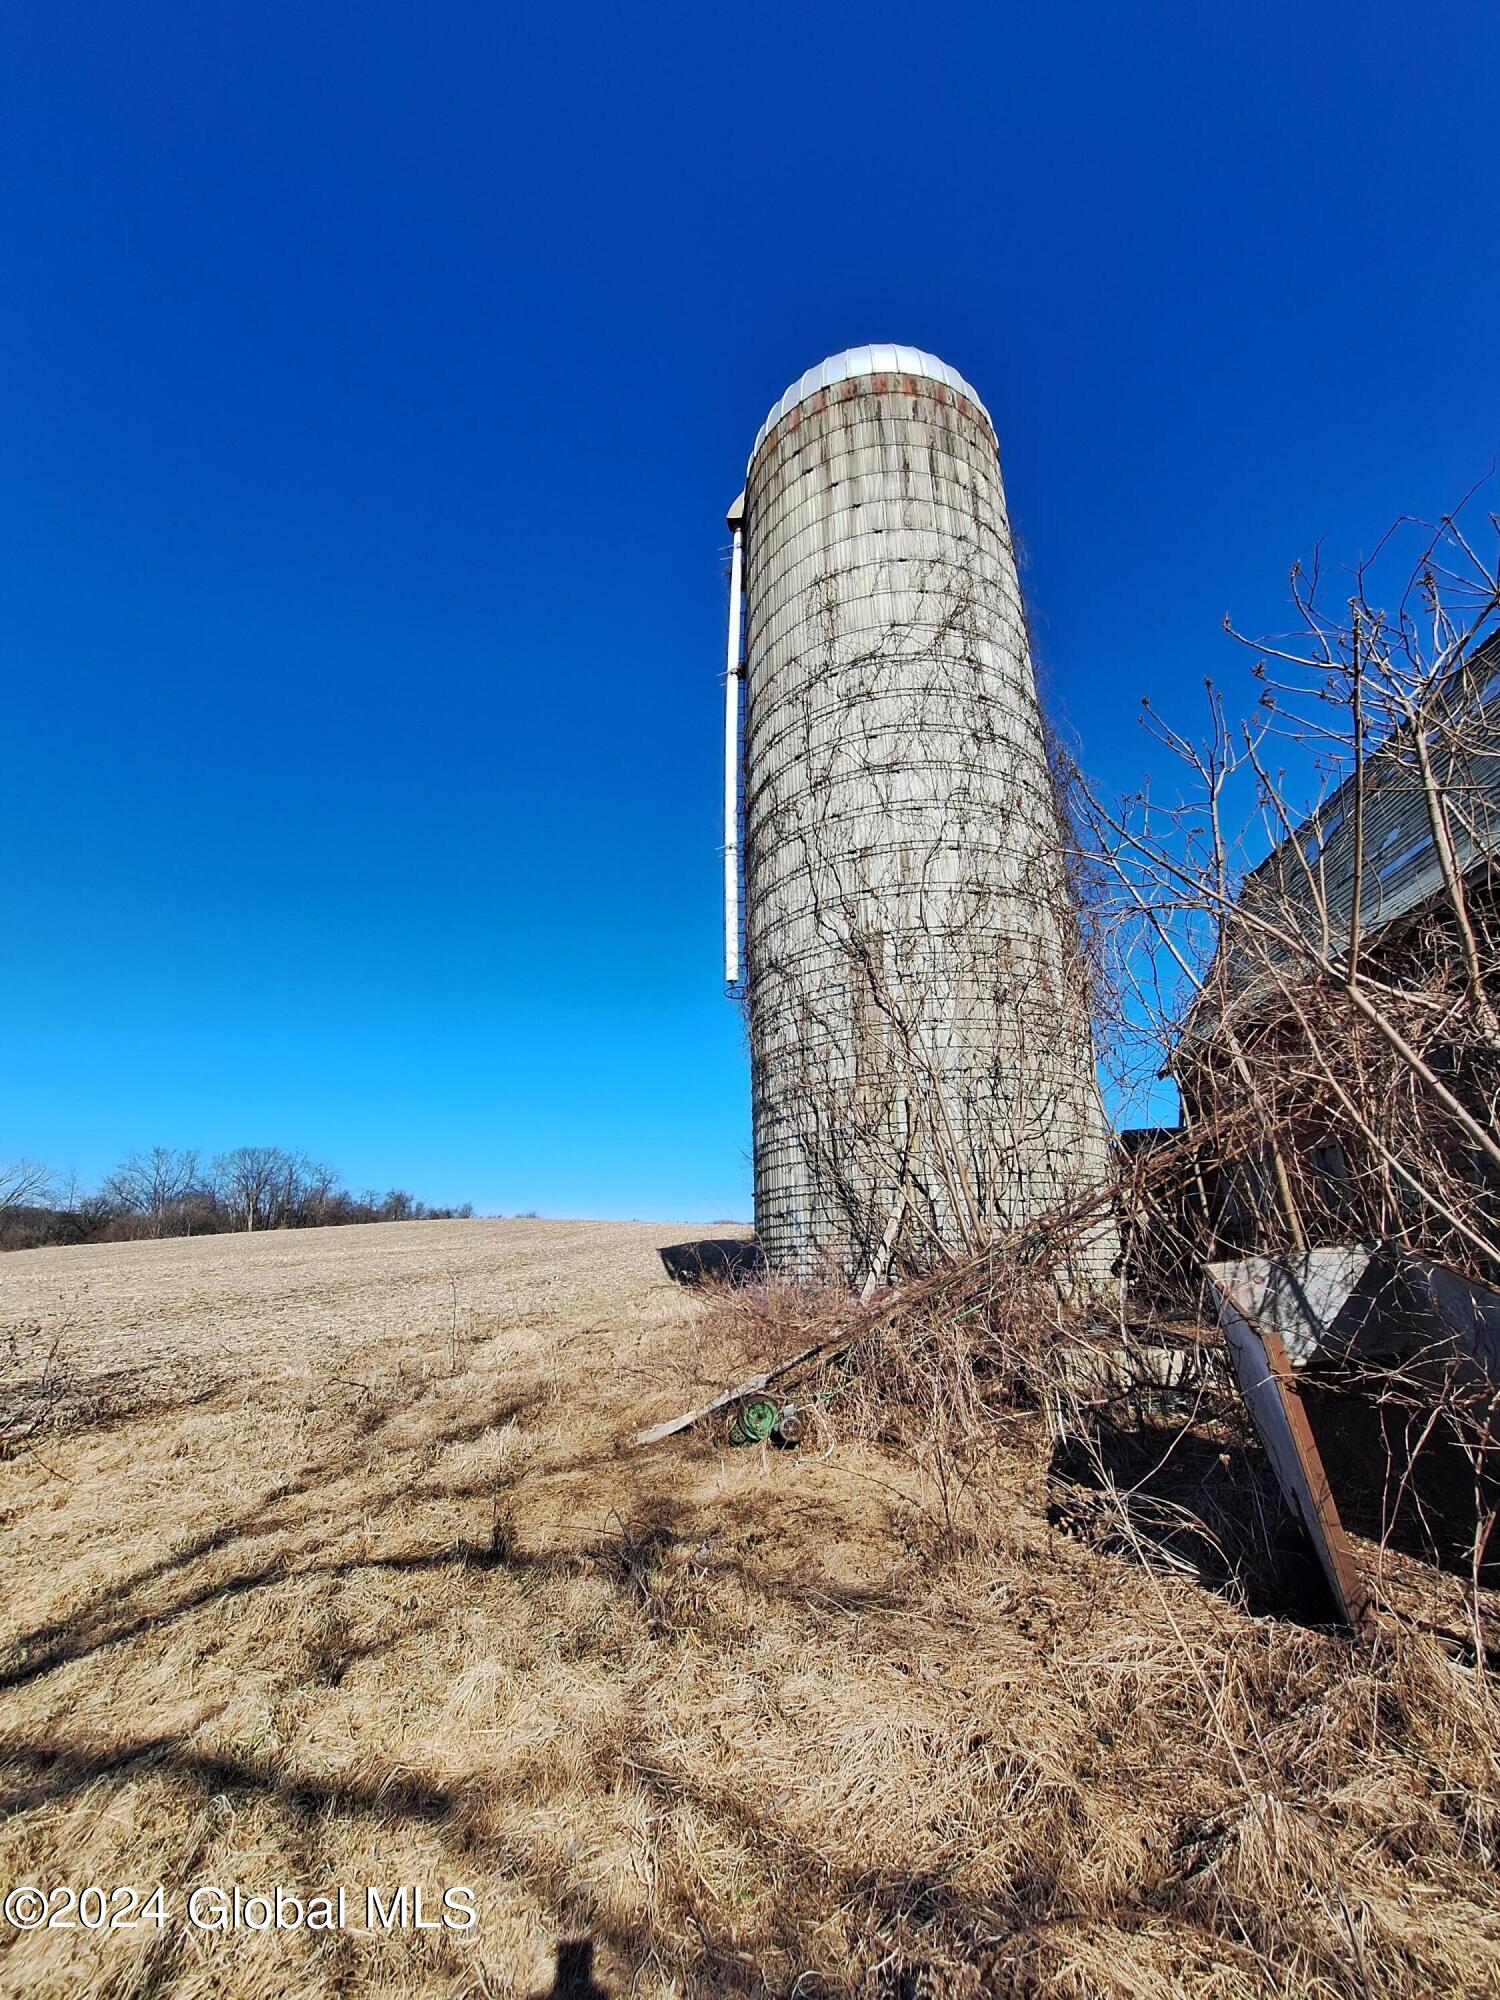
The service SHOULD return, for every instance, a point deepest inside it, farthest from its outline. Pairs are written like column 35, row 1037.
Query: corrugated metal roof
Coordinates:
column 1401, row 873
column 1401, row 869
column 866, row 361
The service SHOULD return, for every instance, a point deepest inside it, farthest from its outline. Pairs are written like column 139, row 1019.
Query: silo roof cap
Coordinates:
column 866, row 361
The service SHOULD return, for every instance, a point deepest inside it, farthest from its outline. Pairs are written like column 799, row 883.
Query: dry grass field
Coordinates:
column 330, row 1570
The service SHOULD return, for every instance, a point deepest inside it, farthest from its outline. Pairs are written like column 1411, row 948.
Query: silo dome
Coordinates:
column 857, row 361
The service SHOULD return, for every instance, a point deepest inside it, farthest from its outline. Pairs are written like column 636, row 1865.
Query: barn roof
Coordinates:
column 1401, row 873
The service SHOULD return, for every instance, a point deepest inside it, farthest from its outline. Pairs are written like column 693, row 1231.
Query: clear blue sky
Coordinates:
column 375, row 380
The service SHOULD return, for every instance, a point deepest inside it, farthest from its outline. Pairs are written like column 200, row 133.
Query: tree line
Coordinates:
column 166, row 1192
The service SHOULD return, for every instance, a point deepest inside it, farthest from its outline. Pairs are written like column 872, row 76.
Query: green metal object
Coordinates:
column 754, row 1420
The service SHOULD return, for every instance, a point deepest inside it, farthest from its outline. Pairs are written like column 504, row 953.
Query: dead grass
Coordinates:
column 355, row 1598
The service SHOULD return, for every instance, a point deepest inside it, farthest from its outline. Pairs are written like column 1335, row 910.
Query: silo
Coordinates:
column 921, row 1062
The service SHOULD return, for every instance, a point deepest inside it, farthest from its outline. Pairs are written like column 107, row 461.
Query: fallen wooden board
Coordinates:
column 1271, row 1395
column 673, row 1425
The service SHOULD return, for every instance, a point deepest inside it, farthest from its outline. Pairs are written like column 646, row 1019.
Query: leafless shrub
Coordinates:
column 1328, row 972
column 33, row 1382
column 1300, row 926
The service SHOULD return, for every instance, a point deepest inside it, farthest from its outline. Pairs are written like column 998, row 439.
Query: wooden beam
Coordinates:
column 825, row 1349
column 1270, row 1390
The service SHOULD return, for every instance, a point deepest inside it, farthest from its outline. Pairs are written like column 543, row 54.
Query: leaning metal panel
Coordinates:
column 919, row 1039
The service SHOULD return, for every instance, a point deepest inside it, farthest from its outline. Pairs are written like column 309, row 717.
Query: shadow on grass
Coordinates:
column 574, row 1978
column 44, row 1776
column 310, row 1503
column 675, row 1584
column 1193, row 1504
column 714, row 1260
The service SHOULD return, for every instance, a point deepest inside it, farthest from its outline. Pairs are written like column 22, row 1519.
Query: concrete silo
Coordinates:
column 922, row 1069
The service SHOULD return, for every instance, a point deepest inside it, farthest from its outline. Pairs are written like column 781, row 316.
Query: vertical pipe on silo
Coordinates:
column 732, row 770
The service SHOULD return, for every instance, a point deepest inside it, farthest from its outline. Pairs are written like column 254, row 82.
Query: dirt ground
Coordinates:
column 332, row 1570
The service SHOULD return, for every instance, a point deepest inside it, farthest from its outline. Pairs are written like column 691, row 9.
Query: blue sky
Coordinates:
column 376, row 378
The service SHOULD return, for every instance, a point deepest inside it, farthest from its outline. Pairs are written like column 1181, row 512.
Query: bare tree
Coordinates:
column 163, row 1192
column 153, row 1184
column 22, row 1183
column 252, row 1182
column 319, row 1193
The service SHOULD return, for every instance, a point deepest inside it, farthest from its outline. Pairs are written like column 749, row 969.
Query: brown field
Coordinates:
column 329, row 1569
